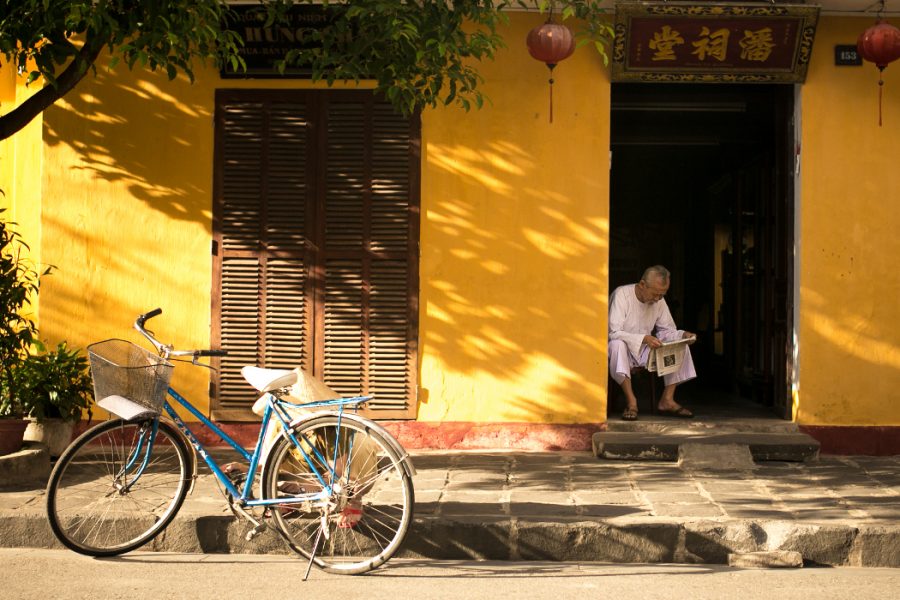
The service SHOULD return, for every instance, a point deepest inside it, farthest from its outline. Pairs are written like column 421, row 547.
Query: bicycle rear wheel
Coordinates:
column 100, row 502
column 366, row 519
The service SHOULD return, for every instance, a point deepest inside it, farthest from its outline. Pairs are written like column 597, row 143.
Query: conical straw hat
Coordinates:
column 310, row 389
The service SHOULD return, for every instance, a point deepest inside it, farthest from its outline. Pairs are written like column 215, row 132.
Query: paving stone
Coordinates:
column 678, row 497
column 758, row 513
column 26, row 468
column 482, row 485
column 674, row 488
column 888, row 511
column 457, row 507
column 751, row 497
column 546, row 497
column 458, row 539
column 610, row 511
column 715, row 457
column 536, row 486
column 610, row 487
column 712, row 542
column 876, row 547
column 819, row 544
column 687, row 510
column 593, row 497
column 766, row 560
column 426, row 508
column 549, row 510
column 427, row 495
column 581, row 512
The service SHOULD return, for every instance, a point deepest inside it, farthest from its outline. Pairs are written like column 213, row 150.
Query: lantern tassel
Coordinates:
column 550, row 66
column 551, row 100
column 880, row 90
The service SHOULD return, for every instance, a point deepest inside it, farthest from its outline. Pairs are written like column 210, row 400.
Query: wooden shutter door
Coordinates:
column 316, row 229
column 261, row 204
column 370, row 230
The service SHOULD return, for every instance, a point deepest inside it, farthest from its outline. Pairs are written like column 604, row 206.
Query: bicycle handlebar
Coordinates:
column 167, row 350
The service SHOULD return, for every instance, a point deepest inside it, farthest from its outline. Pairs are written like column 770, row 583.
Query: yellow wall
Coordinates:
column 849, row 280
column 20, row 172
column 514, row 231
column 127, row 211
column 515, row 227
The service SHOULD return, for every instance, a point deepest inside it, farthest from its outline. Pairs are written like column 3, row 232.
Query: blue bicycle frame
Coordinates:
column 274, row 406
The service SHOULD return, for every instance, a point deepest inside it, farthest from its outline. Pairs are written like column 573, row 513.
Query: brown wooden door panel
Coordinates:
column 316, row 229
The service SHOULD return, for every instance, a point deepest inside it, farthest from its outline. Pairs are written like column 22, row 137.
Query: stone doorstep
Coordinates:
column 697, row 426
column 641, row 445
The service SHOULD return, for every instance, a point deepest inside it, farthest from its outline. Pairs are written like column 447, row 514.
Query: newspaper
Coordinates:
column 669, row 357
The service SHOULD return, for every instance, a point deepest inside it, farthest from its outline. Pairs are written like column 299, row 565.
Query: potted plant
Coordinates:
column 55, row 389
column 19, row 284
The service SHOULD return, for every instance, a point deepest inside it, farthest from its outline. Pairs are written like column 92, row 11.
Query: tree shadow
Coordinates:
column 514, row 231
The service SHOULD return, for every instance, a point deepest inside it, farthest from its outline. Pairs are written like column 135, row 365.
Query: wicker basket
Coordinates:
column 120, row 368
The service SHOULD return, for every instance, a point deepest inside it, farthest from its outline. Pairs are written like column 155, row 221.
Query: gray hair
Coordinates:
column 656, row 271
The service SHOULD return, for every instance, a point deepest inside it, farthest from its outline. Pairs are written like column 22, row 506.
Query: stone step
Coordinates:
column 653, row 424
column 650, row 445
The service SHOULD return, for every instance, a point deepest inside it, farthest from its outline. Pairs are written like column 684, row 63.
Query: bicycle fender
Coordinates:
column 405, row 458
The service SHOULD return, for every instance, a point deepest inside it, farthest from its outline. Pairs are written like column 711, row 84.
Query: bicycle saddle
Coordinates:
column 266, row 380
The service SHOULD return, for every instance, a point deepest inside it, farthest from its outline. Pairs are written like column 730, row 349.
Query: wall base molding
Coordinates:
column 415, row 435
column 863, row 440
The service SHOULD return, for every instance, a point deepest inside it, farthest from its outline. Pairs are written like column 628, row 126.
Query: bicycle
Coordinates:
column 337, row 486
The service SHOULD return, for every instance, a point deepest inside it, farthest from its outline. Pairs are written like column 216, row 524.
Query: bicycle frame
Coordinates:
column 274, row 406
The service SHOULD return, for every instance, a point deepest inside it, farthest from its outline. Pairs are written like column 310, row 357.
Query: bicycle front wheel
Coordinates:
column 101, row 498
column 362, row 524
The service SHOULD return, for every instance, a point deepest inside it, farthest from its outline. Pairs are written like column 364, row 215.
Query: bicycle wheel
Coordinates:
column 99, row 504
column 364, row 521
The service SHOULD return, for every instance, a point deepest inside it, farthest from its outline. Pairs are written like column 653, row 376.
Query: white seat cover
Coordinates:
column 266, row 380
column 125, row 408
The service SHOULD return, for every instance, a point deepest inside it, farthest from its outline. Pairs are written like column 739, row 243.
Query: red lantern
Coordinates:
column 880, row 44
column 550, row 43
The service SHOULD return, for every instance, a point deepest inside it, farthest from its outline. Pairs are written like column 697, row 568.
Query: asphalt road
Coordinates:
column 51, row 574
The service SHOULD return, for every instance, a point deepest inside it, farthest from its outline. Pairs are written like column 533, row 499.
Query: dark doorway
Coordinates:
column 702, row 182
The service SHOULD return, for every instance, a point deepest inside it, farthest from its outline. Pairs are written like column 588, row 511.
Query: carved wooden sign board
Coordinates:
column 712, row 42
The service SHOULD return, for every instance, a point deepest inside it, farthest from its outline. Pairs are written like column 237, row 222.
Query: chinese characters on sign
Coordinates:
column 262, row 46
column 712, row 42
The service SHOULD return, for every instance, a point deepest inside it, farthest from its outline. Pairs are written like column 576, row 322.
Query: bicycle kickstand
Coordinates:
column 312, row 555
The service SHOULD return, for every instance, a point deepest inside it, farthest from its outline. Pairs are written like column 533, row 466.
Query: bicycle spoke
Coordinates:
column 96, row 507
column 370, row 481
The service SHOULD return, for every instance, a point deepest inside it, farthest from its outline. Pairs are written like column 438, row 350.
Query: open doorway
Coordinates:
column 702, row 182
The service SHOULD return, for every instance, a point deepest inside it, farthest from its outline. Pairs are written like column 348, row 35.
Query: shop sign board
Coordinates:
column 265, row 44
column 694, row 42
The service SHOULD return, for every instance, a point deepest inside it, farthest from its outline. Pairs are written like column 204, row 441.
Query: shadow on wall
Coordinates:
column 857, row 348
column 514, row 257
column 149, row 138
column 514, row 280
column 126, row 204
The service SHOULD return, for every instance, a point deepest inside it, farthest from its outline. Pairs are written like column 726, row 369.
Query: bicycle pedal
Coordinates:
column 255, row 532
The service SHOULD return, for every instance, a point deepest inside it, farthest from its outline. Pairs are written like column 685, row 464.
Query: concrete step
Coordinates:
column 657, row 424
column 664, row 445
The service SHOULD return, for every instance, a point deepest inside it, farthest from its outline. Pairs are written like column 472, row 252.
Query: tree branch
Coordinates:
column 23, row 114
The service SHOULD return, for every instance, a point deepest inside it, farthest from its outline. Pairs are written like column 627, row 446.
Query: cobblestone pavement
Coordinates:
column 572, row 506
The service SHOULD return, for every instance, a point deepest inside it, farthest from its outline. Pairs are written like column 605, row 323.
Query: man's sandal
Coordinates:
column 679, row 412
column 630, row 414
